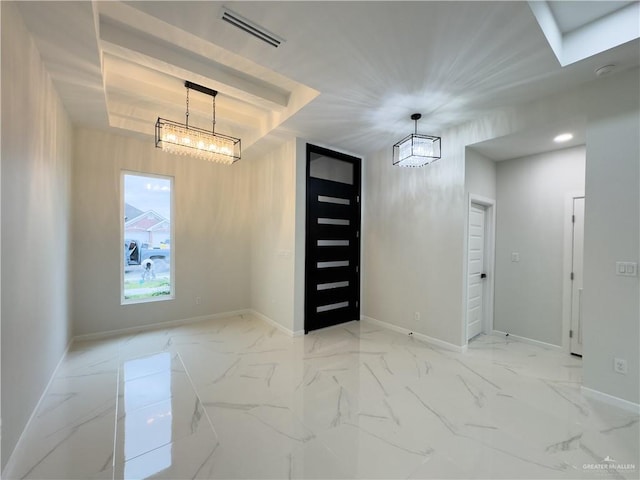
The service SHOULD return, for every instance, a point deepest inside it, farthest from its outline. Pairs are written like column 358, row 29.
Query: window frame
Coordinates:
column 172, row 295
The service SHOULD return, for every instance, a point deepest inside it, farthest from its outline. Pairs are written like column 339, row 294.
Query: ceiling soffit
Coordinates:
column 144, row 74
column 65, row 34
column 603, row 26
column 123, row 64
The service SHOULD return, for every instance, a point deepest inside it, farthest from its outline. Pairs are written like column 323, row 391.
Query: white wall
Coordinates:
column 531, row 194
column 36, row 192
column 211, row 248
column 612, row 303
column 273, row 191
column 413, row 242
column 479, row 174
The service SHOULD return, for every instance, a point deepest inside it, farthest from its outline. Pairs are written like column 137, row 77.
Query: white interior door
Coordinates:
column 576, row 268
column 475, row 270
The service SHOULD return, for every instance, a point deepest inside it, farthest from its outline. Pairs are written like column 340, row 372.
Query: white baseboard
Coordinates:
column 186, row 321
column 10, row 463
column 160, row 325
column 419, row 336
column 530, row 341
column 611, row 400
column 270, row 321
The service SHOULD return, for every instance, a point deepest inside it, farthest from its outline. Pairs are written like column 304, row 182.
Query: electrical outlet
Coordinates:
column 515, row 256
column 416, row 316
column 620, row 366
column 198, row 300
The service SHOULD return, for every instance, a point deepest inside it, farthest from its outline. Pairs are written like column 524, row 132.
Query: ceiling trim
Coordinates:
column 610, row 31
column 153, row 52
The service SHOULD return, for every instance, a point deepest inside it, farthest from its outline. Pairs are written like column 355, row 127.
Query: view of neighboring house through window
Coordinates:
column 147, row 267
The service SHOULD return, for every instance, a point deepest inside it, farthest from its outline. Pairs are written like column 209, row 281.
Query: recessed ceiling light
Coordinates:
column 563, row 137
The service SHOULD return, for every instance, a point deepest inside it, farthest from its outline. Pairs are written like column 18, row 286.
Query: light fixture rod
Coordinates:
column 415, row 117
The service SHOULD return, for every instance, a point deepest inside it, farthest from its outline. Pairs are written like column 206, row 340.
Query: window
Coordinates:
column 147, row 234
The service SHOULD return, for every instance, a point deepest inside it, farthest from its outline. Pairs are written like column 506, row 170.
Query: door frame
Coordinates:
column 489, row 255
column 357, row 176
column 567, row 262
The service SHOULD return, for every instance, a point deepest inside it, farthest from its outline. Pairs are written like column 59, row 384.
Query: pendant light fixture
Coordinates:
column 416, row 150
column 184, row 139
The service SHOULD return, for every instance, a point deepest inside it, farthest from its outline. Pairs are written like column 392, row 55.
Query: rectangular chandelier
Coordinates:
column 184, row 139
column 181, row 139
column 416, row 150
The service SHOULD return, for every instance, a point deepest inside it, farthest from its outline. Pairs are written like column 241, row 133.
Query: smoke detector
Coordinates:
column 605, row 70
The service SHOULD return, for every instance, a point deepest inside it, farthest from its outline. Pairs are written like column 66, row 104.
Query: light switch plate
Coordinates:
column 627, row 269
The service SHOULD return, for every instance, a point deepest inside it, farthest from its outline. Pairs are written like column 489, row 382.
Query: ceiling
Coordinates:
column 348, row 74
column 531, row 142
column 573, row 15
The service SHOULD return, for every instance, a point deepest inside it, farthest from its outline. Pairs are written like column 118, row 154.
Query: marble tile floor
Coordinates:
column 236, row 398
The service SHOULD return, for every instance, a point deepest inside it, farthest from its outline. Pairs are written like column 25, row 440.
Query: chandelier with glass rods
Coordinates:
column 416, row 150
column 184, row 139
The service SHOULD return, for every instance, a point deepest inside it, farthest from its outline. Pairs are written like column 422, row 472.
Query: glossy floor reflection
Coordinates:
column 236, row 398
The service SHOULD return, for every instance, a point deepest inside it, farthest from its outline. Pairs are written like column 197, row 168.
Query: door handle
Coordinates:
column 580, row 316
column 483, row 275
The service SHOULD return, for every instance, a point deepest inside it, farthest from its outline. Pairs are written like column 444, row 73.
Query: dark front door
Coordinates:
column 332, row 276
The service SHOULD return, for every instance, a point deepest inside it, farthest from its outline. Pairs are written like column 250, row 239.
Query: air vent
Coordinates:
column 251, row 28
